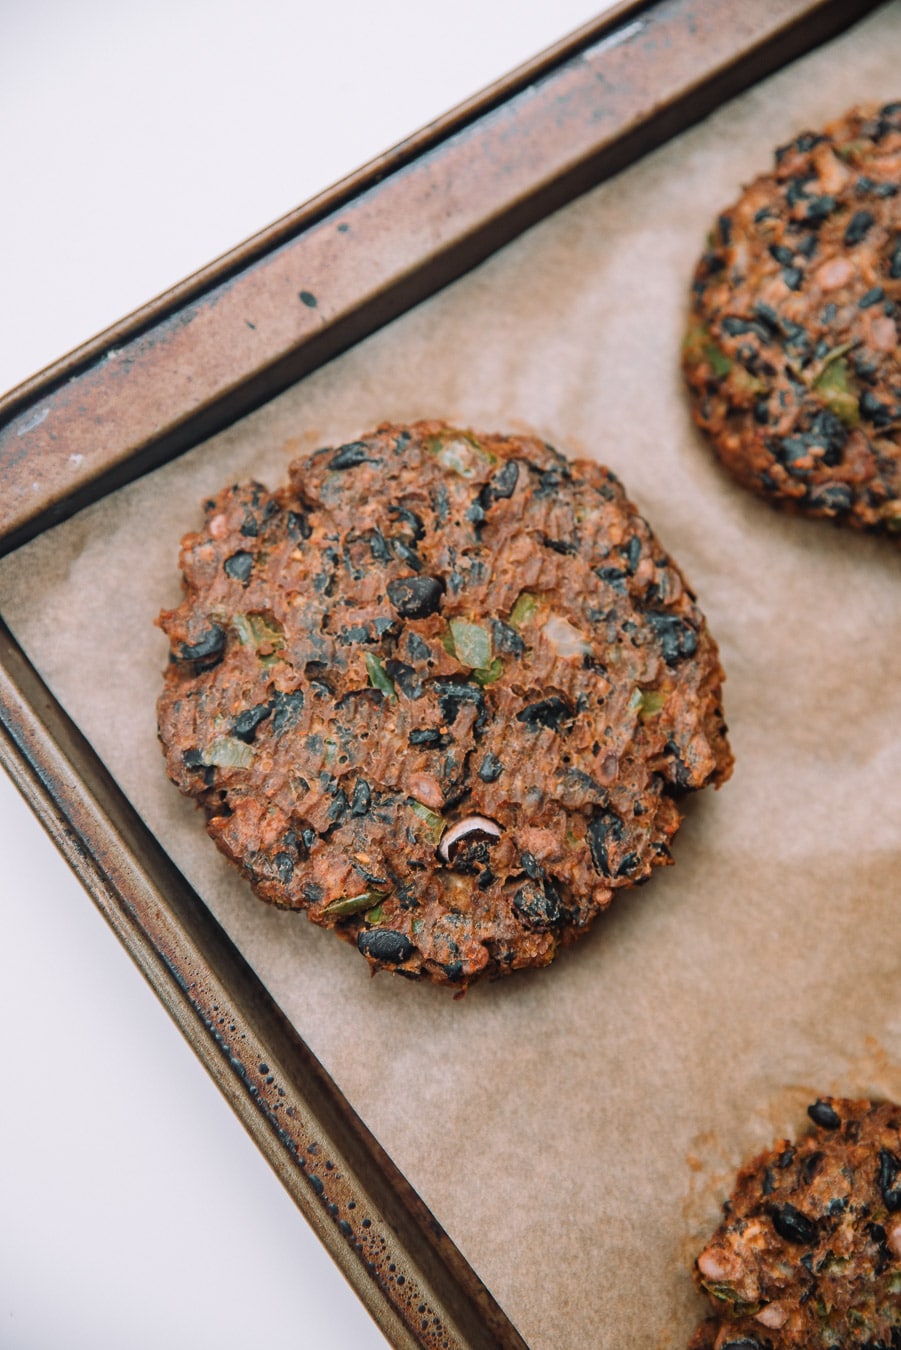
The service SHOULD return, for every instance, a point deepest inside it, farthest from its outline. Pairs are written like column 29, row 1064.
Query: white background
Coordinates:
column 138, row 142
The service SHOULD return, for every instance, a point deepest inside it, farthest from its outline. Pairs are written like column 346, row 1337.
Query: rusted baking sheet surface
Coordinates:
column 352, row 260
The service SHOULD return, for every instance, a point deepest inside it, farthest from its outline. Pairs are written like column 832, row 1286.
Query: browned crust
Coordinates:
column 423, row 627
column 792, row 356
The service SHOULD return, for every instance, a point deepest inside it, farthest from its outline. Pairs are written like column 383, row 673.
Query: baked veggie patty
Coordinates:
column 809, row 1253
column 443, row 692
column 792, row 354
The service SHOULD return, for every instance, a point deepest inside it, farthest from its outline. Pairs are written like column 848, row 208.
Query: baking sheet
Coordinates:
column 573, row 1128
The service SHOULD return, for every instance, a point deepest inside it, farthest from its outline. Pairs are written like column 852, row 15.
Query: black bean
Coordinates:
column 361, row 800
column 794, row 1226
column 407, row 554
column 250, row 525
column 298, row 525
column 821, row 1113
column 416, row 597
column 417, row 648
column 245, row 725
column 614, row 576
column 547, row 712
column 629, row 864
column 880, row 414
column 428, row 736
column 350, row 455
column 405, row 678
column 790, row 450
column 550, row 479
column 786, row 1158
column 537, row 906
column 837, row 1205
column 239, row 566
column 872, row 297
column 339, row 807
column 808, row 247
column 284, row 866
column 501, row 484
column 811, row 1166
column 603, row 829
column 409, row 518
column 894, row 269
column 632, row 552
column 735, row 327
column 452, row 695
column 769, row 1182
column 563, row 546
column 384, row 944
column 782, row 255
column 742, row 1343
column 490, row 768
column 858, row 227
column 768, row 315
column 207, row 652
column 792, row 276
column 830, row 432
column 193, row 760
column 377, row 544
column 286, row 710
column 347, row 637
column 762, row 412
column 676, row 636
column 889, row 1168
column 506, row 639
column 819, row 208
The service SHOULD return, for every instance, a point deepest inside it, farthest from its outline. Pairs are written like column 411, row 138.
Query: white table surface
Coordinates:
column 138, row 142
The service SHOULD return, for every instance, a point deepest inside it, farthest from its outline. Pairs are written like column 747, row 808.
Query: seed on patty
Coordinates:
column 468, row 828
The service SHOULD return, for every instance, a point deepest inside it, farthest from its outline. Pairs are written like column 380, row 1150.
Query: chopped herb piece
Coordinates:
column 839, row 390
column 523, row 610
column 472, row 644
column 262, row 632
column 488, row 674
column 354, row 904
column 436, row 824
column 378, row 676
column 650, row 702
column 463, row 455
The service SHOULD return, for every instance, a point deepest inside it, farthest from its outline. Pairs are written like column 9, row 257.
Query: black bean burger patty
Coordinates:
column 792, row 355
column 443, row 692
column 808, row 1256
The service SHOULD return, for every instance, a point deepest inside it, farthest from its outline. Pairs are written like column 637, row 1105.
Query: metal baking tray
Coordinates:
column 186, row 366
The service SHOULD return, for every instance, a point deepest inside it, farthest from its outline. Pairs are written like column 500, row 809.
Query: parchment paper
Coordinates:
column 575, row 1129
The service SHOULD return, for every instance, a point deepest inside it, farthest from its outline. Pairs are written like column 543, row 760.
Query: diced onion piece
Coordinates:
column 564, row 638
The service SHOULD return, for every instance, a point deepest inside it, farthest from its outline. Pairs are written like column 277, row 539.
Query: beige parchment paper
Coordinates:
column 574, row 1129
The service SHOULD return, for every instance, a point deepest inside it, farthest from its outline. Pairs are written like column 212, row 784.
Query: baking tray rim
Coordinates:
column 327, row 1159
